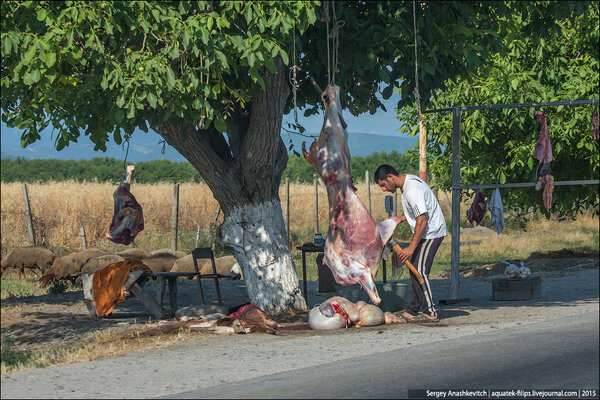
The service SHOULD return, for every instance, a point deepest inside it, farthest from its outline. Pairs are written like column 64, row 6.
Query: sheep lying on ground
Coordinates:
column 31, row 257
column 67, row 266
column 97, row 263
column 136, row 253
column 223, row 265
column 160, row 262
column 177, row 253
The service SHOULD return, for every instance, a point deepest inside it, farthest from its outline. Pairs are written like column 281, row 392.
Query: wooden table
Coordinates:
column 308, row 248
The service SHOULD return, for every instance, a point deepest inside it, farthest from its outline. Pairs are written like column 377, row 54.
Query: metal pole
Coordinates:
column 174, row 217
column 368, row 183
column 455, row 203
column 28, row 215
column 287, row 208
column 395, row 212
column 316, row 204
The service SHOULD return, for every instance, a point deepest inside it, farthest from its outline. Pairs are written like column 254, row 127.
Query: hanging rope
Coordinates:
column 333, row 37
column 325, row 18
column 127, row 136
column 293, row 78
column 203, row 112
column 416, row 90
column 422, row 128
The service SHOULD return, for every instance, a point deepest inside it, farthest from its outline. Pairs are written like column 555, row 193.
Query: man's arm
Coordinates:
column 420, row 226
column 399, row 219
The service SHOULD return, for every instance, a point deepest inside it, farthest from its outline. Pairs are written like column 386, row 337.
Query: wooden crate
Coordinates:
column 517, row 288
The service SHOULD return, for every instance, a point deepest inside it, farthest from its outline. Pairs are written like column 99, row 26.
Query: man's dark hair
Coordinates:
column 382, row 172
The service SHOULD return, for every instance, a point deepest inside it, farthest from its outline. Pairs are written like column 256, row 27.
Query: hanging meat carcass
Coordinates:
column 354, row 241
column 128, row 218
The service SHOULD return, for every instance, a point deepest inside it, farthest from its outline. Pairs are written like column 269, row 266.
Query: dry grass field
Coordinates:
column 57, row 209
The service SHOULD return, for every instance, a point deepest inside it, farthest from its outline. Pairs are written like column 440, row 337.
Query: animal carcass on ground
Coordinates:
column 67, row 266
column 134, row 252
column 97, row 263
column 354, row 241
column 223, row 265
column 338, row 312
column 30, row 257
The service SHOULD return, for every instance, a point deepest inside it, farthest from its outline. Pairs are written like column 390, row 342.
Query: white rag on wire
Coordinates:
column 495, row 207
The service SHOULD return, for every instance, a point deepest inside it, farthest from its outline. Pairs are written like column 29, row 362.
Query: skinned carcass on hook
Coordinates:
column 354, row 241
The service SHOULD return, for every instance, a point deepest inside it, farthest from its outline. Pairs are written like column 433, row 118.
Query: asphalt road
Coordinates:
column 561, row 355
column 378, row 362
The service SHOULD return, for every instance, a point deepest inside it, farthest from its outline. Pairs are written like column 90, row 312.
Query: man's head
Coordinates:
column 387, row 178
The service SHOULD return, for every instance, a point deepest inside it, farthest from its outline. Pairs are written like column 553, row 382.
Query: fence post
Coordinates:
column 197, row 237
column 82, row 236
column 287, row 208
column 316, row 184
column 368, row 183
column 28, row 215
column 174, row 217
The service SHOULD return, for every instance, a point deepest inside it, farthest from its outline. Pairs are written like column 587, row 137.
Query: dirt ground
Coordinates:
column 48, row 321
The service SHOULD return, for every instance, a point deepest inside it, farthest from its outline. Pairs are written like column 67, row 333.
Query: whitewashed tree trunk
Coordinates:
column 256, row 235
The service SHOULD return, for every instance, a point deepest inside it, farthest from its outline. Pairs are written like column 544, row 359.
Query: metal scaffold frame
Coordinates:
column 456, row 184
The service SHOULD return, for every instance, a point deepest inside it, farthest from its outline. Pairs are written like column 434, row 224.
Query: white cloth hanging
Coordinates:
column 495, row 207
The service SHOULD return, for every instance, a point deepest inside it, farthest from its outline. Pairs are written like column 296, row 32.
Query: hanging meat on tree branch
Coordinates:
column 354, row 241
column 128, row 218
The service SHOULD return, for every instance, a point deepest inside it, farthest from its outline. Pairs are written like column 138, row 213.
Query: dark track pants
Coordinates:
column 422, row 259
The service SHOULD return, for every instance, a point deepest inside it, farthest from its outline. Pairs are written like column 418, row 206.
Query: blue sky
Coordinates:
column 144, row 146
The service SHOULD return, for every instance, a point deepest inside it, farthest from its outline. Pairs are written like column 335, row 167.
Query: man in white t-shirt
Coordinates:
column 424, row 216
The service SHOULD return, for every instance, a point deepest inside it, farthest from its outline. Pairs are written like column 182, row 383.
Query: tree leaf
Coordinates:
column 170, row 78
column 220, row 125
column 151, row 99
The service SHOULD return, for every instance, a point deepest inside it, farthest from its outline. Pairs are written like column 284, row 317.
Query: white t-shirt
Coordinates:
column 417, row 199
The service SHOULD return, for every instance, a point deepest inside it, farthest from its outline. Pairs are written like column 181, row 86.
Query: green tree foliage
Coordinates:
column 558, row 62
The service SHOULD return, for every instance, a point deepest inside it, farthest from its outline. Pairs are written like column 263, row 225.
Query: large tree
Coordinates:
column 212, row 79
column 550, row 54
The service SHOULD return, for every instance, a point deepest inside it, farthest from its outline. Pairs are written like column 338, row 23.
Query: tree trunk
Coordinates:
column 256, row 235
column 244, row 173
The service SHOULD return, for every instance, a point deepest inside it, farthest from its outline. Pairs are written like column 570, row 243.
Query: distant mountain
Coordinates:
column 146, row 147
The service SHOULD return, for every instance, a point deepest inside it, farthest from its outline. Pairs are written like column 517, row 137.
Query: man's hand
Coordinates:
column 399, row 219
column 405, row 253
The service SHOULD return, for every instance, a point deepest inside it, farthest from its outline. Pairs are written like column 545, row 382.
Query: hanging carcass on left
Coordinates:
column 128, row 218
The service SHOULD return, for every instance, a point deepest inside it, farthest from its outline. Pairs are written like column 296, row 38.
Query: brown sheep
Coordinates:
column 179, row 254
column 160, row 262
column 32, row 257
column 97, row 263
column 67, row 266
column 136, row 253
column 222, row 264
